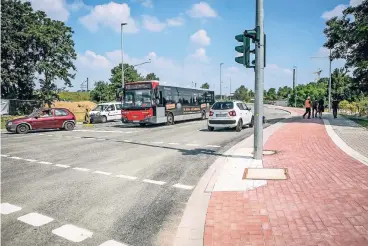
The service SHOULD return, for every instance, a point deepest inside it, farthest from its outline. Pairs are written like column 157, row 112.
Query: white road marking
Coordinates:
column 41, row 134
column 30, row 160
column 192, row 144
column 49, row 135
column 213, row 146
column 157, row 142
column 104, row 173
column 15, row 157
column 128, row 141
column 7, row 208
column 77, row 137
column 4, row 155
column 174, row 143
column 81, row 169
column 154, row 181
column 99, row 139
column 181, row 186
column 126, row 177
column 35, row 219
column 45, row 162
column 61, row 165
column 112, row 243
column 72, row 233
column 102, row 131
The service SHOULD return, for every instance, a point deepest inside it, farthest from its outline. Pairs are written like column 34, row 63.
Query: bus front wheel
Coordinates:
column 170, row 119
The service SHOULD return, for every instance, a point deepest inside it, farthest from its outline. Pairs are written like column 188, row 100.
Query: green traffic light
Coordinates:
column 239, row 37
column 240, row 60
column 239, row 49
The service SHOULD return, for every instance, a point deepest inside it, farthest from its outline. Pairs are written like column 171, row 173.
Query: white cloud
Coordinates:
column 109, row 15
column 288, row 71
column 337, row 11
column 176, row 21
column 153, row 24
column 91, row 60
column 202, row 10
column 200, row 55
column 55, row 9
column 77, row 5
column 272, row 66
column 200, row 37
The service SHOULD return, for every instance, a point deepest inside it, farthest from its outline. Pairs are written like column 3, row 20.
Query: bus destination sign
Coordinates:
column 134, row 86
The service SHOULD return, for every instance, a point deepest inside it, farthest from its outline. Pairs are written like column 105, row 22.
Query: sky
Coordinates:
column 187, row 40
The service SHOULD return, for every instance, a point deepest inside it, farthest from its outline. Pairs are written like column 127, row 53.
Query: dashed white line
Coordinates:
column 100, row 139
column 15, row 157
column 35, row 219
column 81, row 169
column 101, row 172
column 112, row 243
column 72, row 233
column 154, row 181
column 49, row 135
column 181, row 186
column 174, row 143
column 157, row 142
column 61, row 165
column 45, row 162
column 213, row 146
column 126, row 177
column 30, row 160
column 7, row 208
column 192, row 144
column 77, row 137
column 128, row 141
column 4, row 155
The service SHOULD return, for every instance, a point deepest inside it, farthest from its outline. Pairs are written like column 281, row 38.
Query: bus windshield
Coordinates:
column 137, row 98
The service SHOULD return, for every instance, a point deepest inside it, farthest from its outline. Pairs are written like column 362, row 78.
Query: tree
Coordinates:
column 205, row 86
column 242, row 94
column 152, row 76
column 341, row 84
column 130, row 75
column 272, row 95
column 348, row 39
column 102, row 92
column 284, row 92
column 17, row 58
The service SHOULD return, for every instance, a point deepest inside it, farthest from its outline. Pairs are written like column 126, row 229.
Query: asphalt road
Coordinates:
column 108, row 182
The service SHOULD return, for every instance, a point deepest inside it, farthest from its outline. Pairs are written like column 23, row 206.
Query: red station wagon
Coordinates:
column 45, row 118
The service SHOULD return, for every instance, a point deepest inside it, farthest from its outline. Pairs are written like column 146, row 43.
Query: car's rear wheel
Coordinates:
column 22, row 129
column 103, row 119
column 251, row 122
column 69, row 126
column 211, row 128
column 142, row 124
column 239, row 126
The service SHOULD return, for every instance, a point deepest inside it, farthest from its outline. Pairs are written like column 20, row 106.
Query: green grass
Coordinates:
column 360, row 121
column 4, row 119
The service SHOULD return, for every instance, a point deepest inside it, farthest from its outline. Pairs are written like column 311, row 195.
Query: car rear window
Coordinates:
column 223, row 105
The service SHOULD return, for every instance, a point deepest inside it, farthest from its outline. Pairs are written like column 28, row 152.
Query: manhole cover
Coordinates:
column 266, row 173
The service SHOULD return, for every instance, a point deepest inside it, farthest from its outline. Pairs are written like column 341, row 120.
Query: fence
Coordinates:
column 19, row 107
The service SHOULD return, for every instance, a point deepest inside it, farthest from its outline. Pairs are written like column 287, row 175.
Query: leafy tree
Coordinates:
column 17, row 57
column 242, row 94
column 284, row 92
column 205, row 86
column 348, row 39
column 130, row 75
column 315, row 90
column 152, row 76
column 102, row 92
column 272, row 95
column 341, row 84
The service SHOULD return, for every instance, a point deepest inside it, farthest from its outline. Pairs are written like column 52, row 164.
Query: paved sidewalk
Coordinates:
column 325, row 201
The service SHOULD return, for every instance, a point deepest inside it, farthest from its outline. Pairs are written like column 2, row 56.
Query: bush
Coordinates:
column 74, row 96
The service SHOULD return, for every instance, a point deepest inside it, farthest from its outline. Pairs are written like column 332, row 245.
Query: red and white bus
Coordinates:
column 148, row 102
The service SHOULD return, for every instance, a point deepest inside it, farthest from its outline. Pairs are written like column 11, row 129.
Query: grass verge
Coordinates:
column 361, row 121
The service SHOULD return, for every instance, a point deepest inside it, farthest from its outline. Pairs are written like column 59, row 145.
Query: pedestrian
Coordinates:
column 335, row 107
column 307, row 106
column 314, row 108
column 321, row 107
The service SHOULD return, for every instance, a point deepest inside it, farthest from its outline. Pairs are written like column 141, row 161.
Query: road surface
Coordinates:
column 106, row 184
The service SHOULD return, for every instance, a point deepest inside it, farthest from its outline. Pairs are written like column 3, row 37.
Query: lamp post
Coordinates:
column 136, row 65
column 221, row 80
column 294, row 84
column 330, row 78
column 122, row 54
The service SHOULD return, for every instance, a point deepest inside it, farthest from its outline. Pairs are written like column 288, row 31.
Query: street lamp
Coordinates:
column 294, row 84
column 122, row 54
column 136, row 65
column 329, row 81
column 221, row 80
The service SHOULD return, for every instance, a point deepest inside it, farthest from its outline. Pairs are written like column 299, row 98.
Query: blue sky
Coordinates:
column 188, row 39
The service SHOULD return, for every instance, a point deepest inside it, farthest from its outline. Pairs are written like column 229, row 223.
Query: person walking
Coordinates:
column 314, row 108
column 321, row 107
column 335, row 107
column 307, row 106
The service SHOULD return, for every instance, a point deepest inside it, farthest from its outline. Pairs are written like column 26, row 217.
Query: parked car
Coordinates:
column 230, row 114
column 44, row 118
column 106, row 112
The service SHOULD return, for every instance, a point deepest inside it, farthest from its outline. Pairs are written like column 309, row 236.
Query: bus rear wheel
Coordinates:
column 170, row 119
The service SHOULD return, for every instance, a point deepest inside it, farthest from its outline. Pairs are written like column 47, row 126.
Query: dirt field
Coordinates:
column 78, row 108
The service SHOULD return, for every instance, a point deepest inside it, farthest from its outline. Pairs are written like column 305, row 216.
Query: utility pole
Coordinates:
column 329, row 84
column 122, row 54
column 294, row 85
column 221, row 80
column 259, row 84
column 230, row 86
column 87, row 84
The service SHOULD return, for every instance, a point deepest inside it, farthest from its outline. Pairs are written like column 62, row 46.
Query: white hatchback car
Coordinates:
column 231, row 114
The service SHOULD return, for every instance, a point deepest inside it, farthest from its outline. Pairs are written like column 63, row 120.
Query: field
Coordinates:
column 78, row 108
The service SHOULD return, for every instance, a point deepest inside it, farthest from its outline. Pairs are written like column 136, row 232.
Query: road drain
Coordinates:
column 266, row 173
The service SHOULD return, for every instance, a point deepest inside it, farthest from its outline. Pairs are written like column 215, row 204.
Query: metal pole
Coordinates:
column 230, row 86
column 329, row 85
column 87, row 84
column 294, row 86
column 122, row 56
column 259, row 86
column 221, row 81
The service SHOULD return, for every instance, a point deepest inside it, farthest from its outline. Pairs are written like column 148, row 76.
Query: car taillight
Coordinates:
column 232, row 113
column 211, row 113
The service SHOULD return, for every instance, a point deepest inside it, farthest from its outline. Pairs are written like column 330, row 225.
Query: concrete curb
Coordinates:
column 191, row 228
column 342, row 145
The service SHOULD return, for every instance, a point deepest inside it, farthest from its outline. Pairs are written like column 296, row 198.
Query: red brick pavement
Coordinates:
column 325, row 201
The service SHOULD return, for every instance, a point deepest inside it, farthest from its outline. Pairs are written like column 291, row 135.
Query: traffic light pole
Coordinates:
column 259, row 84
